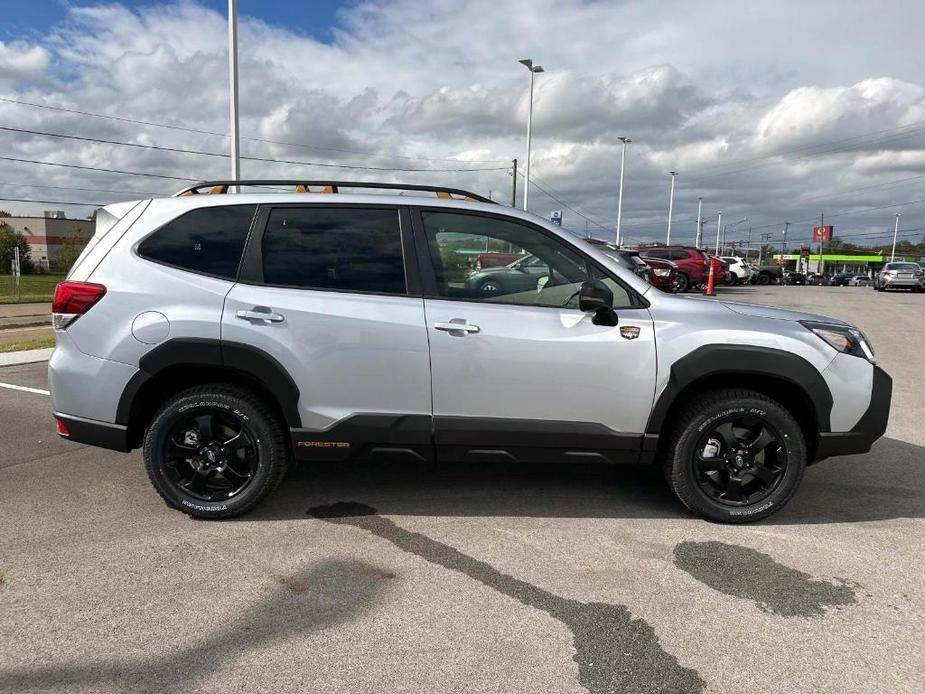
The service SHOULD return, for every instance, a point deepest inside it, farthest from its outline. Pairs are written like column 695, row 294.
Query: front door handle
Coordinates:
column 457, row 326
column 260, row 313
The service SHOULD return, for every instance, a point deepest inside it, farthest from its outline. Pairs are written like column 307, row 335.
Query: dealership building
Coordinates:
column 46, row 234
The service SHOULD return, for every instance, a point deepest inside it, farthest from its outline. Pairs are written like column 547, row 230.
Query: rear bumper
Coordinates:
column 902, row 283
column 870, row 427
column 95, row 433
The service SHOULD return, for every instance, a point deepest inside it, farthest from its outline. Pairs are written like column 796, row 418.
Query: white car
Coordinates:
column 739, row 270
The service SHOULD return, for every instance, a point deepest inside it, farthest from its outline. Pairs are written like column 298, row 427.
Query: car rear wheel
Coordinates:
column 215, row 451
column 682, row 283
column 764, row 279
column 735, row 456
column 490, row 287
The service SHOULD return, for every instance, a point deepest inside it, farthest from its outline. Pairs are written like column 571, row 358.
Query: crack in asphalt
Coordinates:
column 743, row 572
column 614, row 651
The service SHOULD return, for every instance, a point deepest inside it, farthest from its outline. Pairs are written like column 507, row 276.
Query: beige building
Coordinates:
column 46, row 234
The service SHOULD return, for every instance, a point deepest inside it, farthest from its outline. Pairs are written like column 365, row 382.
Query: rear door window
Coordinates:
column 334, row 248
column 208, row 240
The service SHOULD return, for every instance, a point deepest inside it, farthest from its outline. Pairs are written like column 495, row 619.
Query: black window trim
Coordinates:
column 237, row 274
column 429, row 278
column 252, row 266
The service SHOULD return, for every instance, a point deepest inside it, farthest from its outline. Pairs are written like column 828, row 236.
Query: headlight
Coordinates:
column 844, row 338
column 662, row 272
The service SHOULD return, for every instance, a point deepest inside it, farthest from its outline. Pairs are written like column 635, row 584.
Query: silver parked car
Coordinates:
column 897, row 274
column 229, row 335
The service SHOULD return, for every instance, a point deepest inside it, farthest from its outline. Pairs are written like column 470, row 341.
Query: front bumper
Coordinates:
column 870, row 427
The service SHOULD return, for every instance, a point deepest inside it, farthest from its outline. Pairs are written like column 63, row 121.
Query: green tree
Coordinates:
column 72, row 247
column 10, row 239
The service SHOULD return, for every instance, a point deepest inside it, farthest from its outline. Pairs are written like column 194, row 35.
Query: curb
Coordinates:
column 28, row 356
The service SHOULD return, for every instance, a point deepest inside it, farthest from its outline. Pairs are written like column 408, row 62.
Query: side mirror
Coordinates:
column 595, row 297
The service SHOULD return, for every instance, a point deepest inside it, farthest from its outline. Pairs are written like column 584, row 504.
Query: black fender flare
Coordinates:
column 242, row 359
column 716, row 360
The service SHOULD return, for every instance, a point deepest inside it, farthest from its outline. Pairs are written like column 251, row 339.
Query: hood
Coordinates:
column 760, row 311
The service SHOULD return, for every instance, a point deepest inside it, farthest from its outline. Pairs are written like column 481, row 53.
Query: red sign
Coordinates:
column 822, row 234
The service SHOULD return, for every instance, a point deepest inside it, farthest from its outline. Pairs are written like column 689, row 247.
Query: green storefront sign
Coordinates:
column 834, row 258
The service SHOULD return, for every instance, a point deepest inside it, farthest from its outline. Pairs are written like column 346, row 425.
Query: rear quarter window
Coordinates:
column 208, row 240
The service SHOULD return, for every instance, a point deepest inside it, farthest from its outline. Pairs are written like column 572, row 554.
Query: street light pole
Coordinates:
column 625, row 141
column 895, row 233
column 528, row 63
column 699, row 234
column 233, row 84
column 719, row 226
column 673, row 174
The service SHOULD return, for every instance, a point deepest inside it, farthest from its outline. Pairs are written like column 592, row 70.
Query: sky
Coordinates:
column 771, row 111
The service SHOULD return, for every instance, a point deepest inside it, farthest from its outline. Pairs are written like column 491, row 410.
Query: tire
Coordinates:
column 215, row 481
column 764, row 279
column 765, row 479
column 682, row 283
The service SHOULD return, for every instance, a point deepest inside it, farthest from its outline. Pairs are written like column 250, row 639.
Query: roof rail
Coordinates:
column 221, row 187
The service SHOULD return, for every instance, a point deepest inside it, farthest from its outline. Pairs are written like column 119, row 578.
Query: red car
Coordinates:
column 664, row 275
column 720, row 270
column 692, row 263
column 491, row 259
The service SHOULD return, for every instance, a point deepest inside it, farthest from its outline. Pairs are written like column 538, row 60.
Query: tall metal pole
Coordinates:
column 528, row 63
column 821, row 264
column 670, row 206
column 895, row 234
column 233, row 85
column 514, row 185
column 719, row 226
column 699, row 235
column 624, row 140
column 783, row 242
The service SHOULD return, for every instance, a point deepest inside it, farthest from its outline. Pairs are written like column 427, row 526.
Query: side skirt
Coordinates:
column 472, row 440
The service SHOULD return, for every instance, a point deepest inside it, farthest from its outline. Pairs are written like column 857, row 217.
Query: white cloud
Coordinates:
column 743, row 98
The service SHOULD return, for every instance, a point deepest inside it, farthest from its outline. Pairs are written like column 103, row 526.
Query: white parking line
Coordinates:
column 25, row 389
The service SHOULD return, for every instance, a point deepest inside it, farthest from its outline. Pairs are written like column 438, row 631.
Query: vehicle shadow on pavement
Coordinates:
column 887, row 483
column 316, row 598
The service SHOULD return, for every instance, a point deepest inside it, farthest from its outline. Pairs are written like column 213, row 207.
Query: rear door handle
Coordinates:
column 457, row 326
column 260, row 313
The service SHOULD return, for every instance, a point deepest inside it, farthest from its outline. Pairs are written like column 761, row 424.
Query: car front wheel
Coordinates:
column 215, row 451
column 735, row 456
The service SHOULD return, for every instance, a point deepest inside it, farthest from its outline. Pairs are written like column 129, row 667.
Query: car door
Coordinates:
column 525, row 374
column 329, row 292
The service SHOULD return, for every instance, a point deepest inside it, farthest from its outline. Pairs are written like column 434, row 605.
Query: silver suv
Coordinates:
column 228, row 335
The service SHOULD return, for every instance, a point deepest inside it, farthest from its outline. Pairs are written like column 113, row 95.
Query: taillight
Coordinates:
column 72, row 300
column 61, row 428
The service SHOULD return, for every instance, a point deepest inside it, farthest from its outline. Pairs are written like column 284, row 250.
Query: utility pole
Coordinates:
column 719, row 226
column 699, row 235
column 895, row 234
column 821, row 264
column 673, row 175
column 748, row 246
column 514, row 185
column 783, row 243
column 625, row 141
column 233, row 84
column 587, row 229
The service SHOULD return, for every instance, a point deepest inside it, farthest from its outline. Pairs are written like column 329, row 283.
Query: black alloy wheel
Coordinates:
column 740, row 461
column 490, row 287
column 734, row 456
column 212, row 456
column 215, row 451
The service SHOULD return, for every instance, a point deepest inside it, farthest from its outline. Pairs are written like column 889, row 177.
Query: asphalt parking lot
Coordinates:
column 361, row 579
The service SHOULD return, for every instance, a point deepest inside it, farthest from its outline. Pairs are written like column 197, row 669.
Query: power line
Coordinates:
column 97, row 168
column 53, row 202
column 223, row 155
column 251, row 139
column 87, row 190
